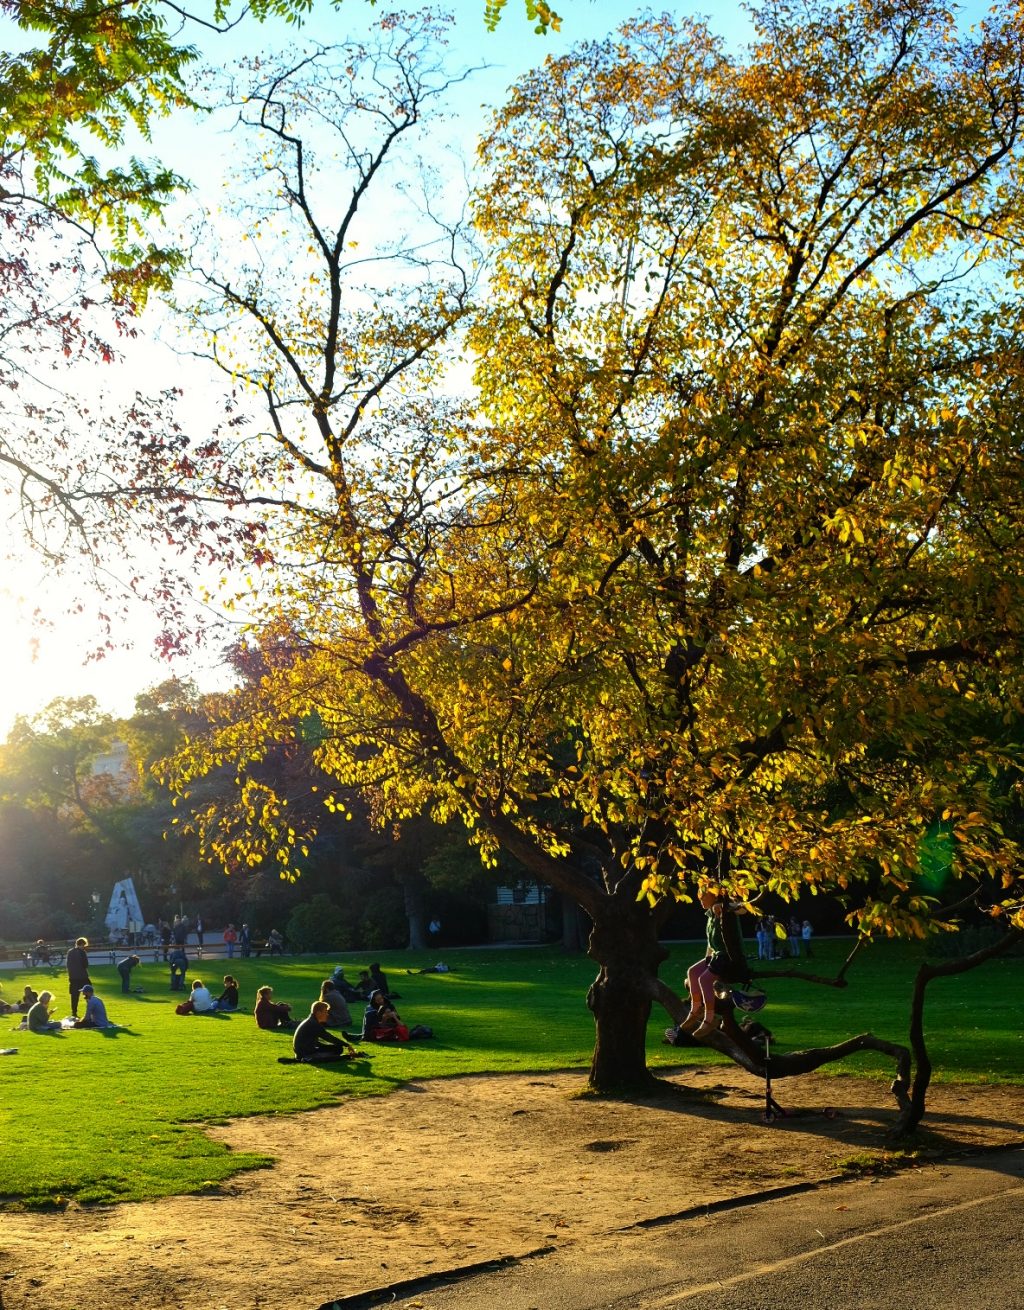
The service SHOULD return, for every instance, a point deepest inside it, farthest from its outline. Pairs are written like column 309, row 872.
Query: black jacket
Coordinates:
column 311, row 1036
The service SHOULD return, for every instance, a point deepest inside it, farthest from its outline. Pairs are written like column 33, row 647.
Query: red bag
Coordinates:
column 186, row 1007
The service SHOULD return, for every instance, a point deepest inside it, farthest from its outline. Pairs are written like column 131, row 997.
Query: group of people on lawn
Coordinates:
column 312, row 1039
column 38, row 1007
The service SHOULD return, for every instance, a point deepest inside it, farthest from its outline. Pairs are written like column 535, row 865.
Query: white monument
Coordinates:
column 125, row 913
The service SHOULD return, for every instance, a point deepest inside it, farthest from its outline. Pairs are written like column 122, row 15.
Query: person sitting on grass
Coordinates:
column 202, row 998
column 378, row 982
column 272, row 1014
column 38, row 1019
column 28, row 998
column 124, row 968
column 228, row 999
column 341, row 1017
column 95, row 1011
column 200, row 1001
column 348, row 992
column 313, row 1042
column 381, row 1022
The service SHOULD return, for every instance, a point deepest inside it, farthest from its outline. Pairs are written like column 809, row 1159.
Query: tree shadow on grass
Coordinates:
column 345, row 1071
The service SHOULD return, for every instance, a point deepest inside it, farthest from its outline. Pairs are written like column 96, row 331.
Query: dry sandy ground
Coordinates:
column 456, row 1172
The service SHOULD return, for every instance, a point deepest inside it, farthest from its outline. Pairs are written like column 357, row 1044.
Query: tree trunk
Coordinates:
column 412, row 891
column 925, row 974
column 573, row 934
column 624, row 942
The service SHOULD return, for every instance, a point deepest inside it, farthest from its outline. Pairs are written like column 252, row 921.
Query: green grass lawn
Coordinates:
column 118, row 1116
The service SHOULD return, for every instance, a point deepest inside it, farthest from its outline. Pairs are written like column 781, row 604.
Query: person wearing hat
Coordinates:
column 77, row 964
column 342, row 984
column 95, row 1011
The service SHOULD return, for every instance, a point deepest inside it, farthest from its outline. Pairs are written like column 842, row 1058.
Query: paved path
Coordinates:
column 942, row 1237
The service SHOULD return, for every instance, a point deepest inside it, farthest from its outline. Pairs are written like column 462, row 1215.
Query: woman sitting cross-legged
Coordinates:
column 272, row 1014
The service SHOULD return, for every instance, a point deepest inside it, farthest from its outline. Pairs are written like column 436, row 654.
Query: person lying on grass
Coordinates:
column 313, row 1041
column 95, row 1011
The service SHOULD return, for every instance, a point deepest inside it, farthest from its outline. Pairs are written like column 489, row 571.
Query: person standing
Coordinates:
column 199, row 930
column 245, row 941
column 230, row 937
column 164, row 929
column 807, row 932
column 77, row 964
column 124, row 968
column 180, row 931
column 178, row 961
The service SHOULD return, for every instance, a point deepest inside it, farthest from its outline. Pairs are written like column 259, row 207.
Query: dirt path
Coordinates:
column 451, row 1172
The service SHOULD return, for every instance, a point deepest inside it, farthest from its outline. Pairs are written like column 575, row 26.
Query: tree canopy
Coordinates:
column 715, row 571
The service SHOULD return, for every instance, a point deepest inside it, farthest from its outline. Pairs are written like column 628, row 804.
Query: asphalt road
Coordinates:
column 939, row 1237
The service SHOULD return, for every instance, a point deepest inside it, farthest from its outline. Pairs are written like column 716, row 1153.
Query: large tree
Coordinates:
column 716, row 573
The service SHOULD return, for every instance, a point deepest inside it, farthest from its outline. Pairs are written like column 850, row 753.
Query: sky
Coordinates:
column 56, row 658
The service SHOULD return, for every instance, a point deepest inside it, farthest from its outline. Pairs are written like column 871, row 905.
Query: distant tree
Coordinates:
column 318, row 925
